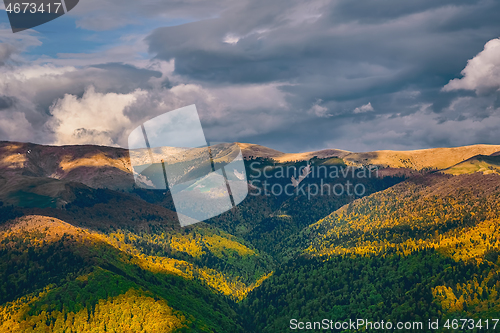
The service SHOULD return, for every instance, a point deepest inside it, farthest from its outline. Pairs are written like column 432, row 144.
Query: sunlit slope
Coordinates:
column 438, row 211
column 56, row 277
column 94, row 166
column 422, row 159
column 425, row 248
column 435, row 158
column 109, row 167
column 455, row 216
column 480, row 163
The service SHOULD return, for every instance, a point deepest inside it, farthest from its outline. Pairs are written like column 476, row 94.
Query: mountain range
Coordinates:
column 83, row 249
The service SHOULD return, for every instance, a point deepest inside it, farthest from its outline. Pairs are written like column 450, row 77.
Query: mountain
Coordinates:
column 426, row 248
column 252, row 151
column 255, row 151
column 83, row 249
column 108, row 167
column 94, row 166
column 58, row 277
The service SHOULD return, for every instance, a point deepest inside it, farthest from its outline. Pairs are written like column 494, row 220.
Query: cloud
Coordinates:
column 344, row 48
column 364, row 108
column 33, row 89
column 350, row 56
column 414, row 131
column 6, row 51
column 99, row 15
column 482, row 73
column 6, row 102
column 318, row 110
column 227, row 113
column 95, row 118
column 15, row 127
column 289, row 74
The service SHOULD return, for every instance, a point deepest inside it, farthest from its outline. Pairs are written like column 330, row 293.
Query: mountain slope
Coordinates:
column 426, row 248
column 108, row 167
column 480, row 163
column 52, row 271
column 435, row 158
column 94, row 166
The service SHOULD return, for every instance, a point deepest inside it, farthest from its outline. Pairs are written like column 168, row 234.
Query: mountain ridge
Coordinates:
column 65, row 159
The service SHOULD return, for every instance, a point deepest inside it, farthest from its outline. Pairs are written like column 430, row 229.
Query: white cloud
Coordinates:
column 95, row 118
column 318, row 110
column 227, row 112
column 482, row 72
column 231, row 39
column 364, row 108
column 56, row 103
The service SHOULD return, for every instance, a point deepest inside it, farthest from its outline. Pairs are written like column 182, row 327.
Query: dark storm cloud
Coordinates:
column 126, row 78
column 392, row 40
column 6, row 102
column 110, row 77
column 396, row 55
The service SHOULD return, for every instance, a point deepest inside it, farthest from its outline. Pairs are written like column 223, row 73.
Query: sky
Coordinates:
column 359, row 75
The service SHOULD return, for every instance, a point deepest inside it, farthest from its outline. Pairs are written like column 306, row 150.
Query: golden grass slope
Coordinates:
column 325, row 153
column 434, row 158
column 253, row 151
column 65, row 161
column 250, row 150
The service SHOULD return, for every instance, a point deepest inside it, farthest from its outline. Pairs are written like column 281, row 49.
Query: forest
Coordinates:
column 413, row 248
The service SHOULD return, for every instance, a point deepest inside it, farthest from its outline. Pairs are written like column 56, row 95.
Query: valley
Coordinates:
column 83, row 249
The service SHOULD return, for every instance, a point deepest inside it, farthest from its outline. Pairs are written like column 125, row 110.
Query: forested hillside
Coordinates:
column 417, row 244
column 52, row 271
column 427, row 248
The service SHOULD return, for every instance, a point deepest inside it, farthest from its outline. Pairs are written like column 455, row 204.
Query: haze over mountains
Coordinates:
column 83, row 249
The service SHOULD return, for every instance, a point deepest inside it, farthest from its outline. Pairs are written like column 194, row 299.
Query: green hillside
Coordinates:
column 52, row 271
column 427, row 248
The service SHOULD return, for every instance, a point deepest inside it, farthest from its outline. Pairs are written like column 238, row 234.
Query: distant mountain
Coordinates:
column 252, row 151
column 94, row 166
column 435, row 158
column 108, row 167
